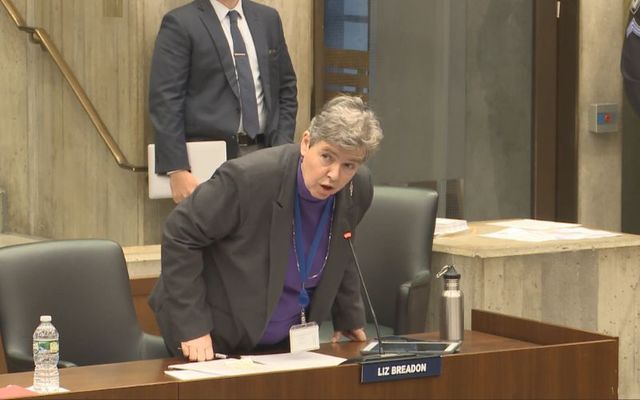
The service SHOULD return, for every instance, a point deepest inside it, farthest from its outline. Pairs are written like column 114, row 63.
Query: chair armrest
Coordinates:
column 22, row 362
column 422, row 278
column 18, row 361
column 66, row 364
column 153, row 347
column 412, row 304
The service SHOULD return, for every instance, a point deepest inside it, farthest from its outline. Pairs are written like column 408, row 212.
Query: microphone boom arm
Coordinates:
column 347, row 236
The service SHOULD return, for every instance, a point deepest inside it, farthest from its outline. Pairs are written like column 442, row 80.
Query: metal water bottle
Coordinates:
column 451, row 306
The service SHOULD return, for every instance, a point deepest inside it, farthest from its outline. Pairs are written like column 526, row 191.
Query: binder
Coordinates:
column 204, row 158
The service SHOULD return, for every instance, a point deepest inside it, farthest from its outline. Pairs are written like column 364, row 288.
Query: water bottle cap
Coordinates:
column 452, row 273
column 45, row 318
column 449, row 272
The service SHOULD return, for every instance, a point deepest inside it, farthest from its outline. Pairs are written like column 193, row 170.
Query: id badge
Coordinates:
column 304, row 337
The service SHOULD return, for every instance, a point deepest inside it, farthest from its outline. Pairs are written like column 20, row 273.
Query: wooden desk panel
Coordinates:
column 488, row 366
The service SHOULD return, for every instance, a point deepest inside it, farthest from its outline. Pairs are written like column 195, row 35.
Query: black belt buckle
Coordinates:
column 245, row 140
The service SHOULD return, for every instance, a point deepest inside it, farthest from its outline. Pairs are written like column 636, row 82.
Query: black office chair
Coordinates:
column 84, row 286
column 393, row 244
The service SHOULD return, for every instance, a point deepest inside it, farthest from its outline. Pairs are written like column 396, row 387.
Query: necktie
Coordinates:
column 245, row 79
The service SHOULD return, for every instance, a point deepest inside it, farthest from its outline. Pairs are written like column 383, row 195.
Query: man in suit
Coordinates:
column 630, row 63
column 220, row 71
column 238, row 269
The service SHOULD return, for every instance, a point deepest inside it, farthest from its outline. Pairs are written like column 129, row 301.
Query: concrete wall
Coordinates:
column 60, row 180
column 454, row 100
column 13, row 114
column 599, row 156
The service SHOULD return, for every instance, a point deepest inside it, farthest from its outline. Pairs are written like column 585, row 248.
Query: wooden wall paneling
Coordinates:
column 3, row 363
column 567, row 139
column 297, row 21
column 140, row 290
column 544, row 110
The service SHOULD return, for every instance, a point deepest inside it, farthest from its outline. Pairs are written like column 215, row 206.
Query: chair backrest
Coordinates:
column 84, row 286
column 394, row 242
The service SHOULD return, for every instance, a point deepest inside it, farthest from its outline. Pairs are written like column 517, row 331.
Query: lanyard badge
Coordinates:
column 305, row 336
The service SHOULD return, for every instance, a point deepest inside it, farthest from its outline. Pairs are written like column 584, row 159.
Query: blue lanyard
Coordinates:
column 305, row 263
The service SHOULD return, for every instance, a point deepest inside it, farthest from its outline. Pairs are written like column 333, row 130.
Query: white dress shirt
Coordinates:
column 221, row 12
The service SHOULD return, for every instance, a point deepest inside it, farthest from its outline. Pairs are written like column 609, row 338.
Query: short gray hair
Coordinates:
column 347, row 122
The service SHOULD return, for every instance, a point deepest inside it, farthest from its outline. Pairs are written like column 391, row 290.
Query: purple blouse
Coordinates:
column 287, row 312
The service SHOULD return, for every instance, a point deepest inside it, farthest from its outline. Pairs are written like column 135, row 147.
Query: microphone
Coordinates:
column 347, row 236
column 381, row 354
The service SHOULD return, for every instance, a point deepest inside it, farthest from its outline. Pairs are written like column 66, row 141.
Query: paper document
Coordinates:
column 185, row 375
column 533, row 224
column 582, row 233
column 522, row 235
column 226, row 367
column 533, row 235
column 446, row 226
column 15, row 391
column 299, row 360
column 256, row 364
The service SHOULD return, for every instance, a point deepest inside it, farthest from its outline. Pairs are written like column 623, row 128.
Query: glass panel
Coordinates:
column 346, row 24
column 451, row 82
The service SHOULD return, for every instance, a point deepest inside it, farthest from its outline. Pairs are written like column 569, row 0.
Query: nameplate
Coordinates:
column 403, row 368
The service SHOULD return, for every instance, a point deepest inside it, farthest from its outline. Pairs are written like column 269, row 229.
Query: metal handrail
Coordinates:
column 41, row 37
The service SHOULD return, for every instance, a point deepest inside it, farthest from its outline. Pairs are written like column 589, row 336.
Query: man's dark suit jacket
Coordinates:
column 225, row 252
column 193, row 90
column 630, row 62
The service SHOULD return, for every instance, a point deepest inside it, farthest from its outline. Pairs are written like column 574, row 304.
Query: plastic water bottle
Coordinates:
column 45, row 356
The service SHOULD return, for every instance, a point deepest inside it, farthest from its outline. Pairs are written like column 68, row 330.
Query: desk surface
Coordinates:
column 470, row 243
column 152, row 371
column 488, row 366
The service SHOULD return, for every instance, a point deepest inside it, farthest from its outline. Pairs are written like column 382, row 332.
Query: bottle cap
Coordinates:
column 452, row 273
column 449, row 272
column 45, row 318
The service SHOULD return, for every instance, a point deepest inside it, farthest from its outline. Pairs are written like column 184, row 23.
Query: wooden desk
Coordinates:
column 503, row 357
column 593, row 285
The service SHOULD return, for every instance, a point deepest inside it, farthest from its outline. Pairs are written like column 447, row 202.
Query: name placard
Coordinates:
column 403, row 368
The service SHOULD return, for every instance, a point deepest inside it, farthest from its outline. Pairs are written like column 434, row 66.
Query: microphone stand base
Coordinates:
column 375, row 358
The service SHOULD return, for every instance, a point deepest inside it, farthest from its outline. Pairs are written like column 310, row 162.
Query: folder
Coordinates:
column 204, row 158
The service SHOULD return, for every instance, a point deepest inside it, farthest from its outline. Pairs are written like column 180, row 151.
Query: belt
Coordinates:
column 246, row 140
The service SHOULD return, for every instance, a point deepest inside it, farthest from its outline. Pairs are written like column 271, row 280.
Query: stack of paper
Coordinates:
column 252, row 365
column 446, row 226
column 529, row 230
column 15, row 391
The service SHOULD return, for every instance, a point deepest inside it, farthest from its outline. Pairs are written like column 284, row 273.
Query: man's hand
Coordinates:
column 198, row 349
column 356, row 335
column 183, row 183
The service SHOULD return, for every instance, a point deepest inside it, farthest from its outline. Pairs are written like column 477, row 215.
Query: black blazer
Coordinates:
column 193, row 91
column 225, row 252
